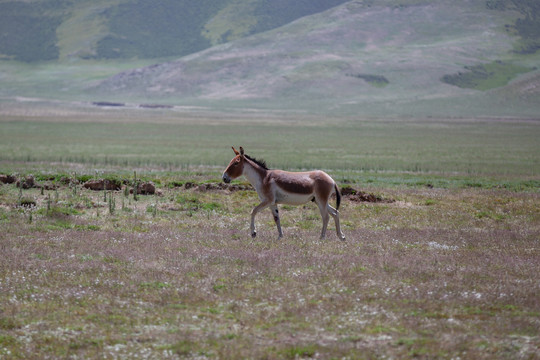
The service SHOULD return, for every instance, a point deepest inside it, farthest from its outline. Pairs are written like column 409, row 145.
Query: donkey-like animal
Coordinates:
column 283, row 187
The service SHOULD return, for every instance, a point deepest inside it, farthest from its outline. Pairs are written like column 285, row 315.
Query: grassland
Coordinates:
column 439, row 273
column 133, row 138
column 485, row 77
column 445, row 268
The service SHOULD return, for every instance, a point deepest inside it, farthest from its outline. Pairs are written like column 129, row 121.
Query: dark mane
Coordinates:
column 259, row 162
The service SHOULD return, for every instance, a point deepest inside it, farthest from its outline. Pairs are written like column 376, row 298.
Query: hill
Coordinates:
column 47, row 30
column 362, row 57
column 376, row 58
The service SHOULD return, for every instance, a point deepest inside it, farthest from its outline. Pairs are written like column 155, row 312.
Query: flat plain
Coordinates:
column 444, row 264
column 129, row 137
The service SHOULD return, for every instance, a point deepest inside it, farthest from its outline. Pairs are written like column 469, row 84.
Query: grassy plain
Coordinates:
column 447, row 270
column 136, row 138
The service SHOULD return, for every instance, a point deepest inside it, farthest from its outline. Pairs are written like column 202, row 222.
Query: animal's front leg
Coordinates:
column 254, row 212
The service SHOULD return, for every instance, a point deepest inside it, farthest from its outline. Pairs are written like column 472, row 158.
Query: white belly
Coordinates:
column 283, row 197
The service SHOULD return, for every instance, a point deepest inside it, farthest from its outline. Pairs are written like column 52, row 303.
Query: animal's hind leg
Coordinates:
column 325, row 217
column 335, row 215
column 275, row 213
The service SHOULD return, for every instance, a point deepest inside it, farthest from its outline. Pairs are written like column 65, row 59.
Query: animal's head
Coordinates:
column 236, row 166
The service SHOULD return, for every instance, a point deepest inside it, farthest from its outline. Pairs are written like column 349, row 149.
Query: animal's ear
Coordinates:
column 236, row 152
column 241, row 151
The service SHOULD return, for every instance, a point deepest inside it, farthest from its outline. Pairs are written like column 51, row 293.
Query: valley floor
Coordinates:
column 427, row 272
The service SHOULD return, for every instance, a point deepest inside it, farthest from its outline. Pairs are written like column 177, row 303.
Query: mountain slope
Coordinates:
column 28, row 31
column 363, row 53
column 44, row 30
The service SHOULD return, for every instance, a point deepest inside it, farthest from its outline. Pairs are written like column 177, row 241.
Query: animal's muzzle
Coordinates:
column 226, row 178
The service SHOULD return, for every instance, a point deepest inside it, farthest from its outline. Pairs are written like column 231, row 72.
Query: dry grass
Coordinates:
column 436, row 274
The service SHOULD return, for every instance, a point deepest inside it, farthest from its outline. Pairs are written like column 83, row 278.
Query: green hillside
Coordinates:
column 409, row 58
column 369, row 58
column 45, row 30
column 526, row 26
column 28, row 30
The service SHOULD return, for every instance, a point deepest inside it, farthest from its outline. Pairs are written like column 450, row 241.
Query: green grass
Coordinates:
column 131, row 138
column 232, row 22
column 527, row 25
column 486, row 76
column 195, row 285
column 177, row 274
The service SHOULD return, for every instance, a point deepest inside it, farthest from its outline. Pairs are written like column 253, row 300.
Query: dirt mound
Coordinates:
column 7, row 179
column 359, row 196
column 26, row 183
column 146, row 188
column 219, row 186
column 102, row 184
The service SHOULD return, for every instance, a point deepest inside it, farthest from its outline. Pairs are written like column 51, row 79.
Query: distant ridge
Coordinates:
column 373, row 57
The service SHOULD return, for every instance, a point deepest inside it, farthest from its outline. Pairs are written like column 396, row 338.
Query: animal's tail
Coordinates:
column 338, row 196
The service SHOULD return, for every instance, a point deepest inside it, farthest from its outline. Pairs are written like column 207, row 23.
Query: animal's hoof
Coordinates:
column 254, row 234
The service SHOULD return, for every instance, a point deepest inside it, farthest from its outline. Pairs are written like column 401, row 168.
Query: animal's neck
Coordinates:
column 254, row 173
